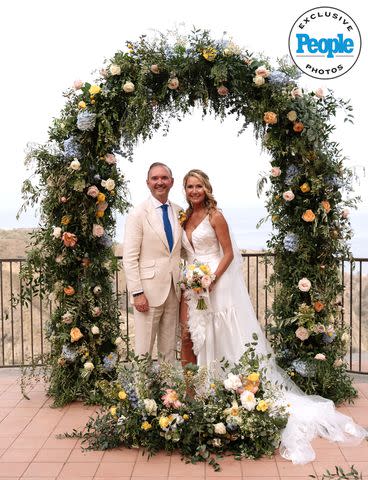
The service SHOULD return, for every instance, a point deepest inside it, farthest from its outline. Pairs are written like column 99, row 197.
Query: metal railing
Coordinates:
column 22, row 329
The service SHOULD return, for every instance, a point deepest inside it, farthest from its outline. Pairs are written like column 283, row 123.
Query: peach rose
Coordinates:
column 96, row 311
column 296, row 92
column 298, row 127
column 304, row 285
column 75, row 334
column 69, row 239
column 97, row 230
column 288, row 196
column 155, row 69
column 320, row 356
column 63, row 199
column 93, row 191
column 173, row 83
column 69, row 290
column 128, row 87
column 78, row 84
column 319, row 92
column 86, row 262
column 326, row 206
column 206, row 281
column 318, row 306
column 262, row 72
column 275, row 171
column 302, row 333
column 110, row 158
column 270, row 118
column 222, row 90
column 308, row 216
column 345, row 213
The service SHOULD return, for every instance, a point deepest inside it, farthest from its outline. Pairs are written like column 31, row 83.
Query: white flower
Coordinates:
column 97, row 290
column 304, row 285
column 115, row 69
column 296, row 92
column 128, row 87
column 232, row 382
column 338, row 362
column 109, row 184
column 248, row 400
column 150, row 406
column 345, row 213
column 96, row 311
column 345, row 337
column 258, row 80
column 88, row 366
column 67, row 318
column 302, row 333
column 220, row 428
column 95, row 330
column 262, row 71
column 320, row 92
column 75, row 165
column 173, row 83
column 97, row 230
column 292, row 115
column 118, row 341
column 320, row 356
column 275, row 171
column 57, row 232
column 110, row 158
column 288, row 196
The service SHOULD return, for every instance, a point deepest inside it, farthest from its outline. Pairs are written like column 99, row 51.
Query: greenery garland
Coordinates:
column 80, row 187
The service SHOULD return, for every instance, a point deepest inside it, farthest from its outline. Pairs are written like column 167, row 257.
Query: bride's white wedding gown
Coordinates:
column 229, row 323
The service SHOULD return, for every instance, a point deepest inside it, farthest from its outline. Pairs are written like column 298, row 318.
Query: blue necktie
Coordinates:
column 167, row 226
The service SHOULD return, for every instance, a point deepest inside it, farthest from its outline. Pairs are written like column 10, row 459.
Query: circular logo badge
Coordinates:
column 325, row 42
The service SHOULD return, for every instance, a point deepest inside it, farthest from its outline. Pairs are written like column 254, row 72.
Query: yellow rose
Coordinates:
column 122, row 395
column 94, row 89
column 113, row 411
column 262, row 406
column 185, row 417
column 75, row 334
column 209, row 54
column 100, row 213
column 213, row 385
column 101, row 197
column 270, row 118
column 205, row 269
column 253, row 377
column 164, row 422
column 308, row 216
column 305, row 188
column 66, row 219
column 146, row 426
column 82, row 104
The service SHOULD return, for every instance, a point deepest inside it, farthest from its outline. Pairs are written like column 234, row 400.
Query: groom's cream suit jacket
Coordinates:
column 149, row 265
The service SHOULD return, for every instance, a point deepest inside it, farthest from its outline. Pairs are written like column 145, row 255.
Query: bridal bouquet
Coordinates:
column 197, row 278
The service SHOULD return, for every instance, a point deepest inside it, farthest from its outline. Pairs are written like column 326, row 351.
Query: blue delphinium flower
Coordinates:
column 109, row 361
column 86, row 120
column 301, row 367
column 105, row 241
column 69, row 353
column 292, row 171
column 334, row 181
column 278, row 78
column 71, row 148
column 291, row 242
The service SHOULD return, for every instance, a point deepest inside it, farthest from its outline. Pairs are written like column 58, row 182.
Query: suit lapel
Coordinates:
column 155, row 223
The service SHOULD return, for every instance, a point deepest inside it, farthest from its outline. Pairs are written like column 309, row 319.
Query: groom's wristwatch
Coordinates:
column 137, row 294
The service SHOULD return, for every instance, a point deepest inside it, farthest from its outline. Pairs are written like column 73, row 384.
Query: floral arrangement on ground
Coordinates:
column 80, row 187
column 202, row 414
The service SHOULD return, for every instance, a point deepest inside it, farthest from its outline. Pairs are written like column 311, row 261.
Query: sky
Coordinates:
column 47, row 45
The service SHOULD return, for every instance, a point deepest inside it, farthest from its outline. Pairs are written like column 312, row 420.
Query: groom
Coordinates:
column 151, row 256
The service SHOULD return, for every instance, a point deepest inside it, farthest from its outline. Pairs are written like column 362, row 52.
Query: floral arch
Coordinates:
column 80, row 187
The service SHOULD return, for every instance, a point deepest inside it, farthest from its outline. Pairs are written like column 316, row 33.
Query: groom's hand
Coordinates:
column 141, row 303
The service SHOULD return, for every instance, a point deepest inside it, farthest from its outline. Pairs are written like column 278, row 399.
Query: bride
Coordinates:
column 228, row 324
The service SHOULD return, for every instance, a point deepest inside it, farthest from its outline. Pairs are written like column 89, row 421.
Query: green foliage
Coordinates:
column 161, row 407
column 340, row 474
column 139, row 92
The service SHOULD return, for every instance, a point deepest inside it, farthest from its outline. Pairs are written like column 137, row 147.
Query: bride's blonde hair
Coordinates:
column 209, row 201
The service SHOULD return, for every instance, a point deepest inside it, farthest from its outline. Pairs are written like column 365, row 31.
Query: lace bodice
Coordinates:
column 205, row 246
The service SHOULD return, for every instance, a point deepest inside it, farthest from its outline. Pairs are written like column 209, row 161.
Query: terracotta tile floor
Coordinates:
column 29, row 449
